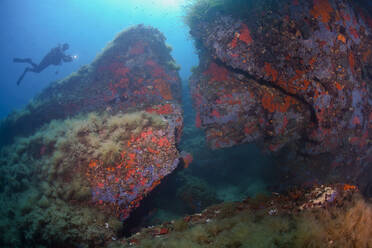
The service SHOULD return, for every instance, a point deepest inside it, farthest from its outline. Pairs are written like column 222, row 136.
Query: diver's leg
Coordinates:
column 23, row 75
column 18, row 60
column 36, row 69
column 28, row 60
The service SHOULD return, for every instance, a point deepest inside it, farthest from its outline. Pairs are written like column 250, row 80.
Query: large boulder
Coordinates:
column 90, row 147
column 294, row 76
column 133, row 72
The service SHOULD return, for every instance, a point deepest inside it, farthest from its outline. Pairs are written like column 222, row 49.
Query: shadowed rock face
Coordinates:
column 293, row 74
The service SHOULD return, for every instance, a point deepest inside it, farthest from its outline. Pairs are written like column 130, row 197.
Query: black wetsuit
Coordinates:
column 54, row 57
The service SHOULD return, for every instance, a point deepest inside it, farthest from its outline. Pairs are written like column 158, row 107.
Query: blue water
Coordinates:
column 30, row 28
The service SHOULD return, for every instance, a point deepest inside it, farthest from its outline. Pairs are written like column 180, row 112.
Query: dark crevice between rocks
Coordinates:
column 365, row 183
column 140, row 216
column 313, row 118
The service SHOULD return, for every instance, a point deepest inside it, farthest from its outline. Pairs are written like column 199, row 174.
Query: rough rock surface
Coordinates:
column 146, row 155
column 133, row 72
column 74, row 181
column 268, row 221
column 294, row 74
column 118, row 124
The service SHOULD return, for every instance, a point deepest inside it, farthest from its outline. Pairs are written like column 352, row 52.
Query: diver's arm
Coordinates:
column 67, row 58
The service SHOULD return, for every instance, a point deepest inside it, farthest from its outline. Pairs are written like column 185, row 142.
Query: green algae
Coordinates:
column 45, row 196
column 343, row 226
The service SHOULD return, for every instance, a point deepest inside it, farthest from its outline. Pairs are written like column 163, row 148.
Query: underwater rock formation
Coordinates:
column 108, row 137
column 293, row 74
column 133, row 72
column 334, row 216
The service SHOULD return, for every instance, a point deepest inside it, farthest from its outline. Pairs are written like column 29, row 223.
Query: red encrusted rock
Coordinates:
column 296, row 74
column 134, row 74
column 147, row 155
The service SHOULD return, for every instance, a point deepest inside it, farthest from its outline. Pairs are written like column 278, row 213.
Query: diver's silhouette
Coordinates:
column 54, row 57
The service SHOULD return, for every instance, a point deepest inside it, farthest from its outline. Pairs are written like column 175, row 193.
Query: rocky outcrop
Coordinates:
column 298, row 218
column 287, row 74
column 71, row 181
column 134, row 72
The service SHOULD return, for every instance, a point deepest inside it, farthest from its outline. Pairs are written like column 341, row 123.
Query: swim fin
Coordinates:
column 22, row 76
column 18, row 60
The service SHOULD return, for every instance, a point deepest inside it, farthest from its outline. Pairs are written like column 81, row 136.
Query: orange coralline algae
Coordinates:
column 249, row 129
column 361, row 141
column 285, row 123
column 312, row 61
column 165, row 109
column 93, row 164
column 187, row 159
column 123, row 84
column 346, row 16
column 305, row 85
column 322, row 9
column 156, row 70
column 271, row 71
column 268, row 102
column 131, row 161
column 356, row 120
column 163, row 231
column 234, row 43
column 146, row 134
column 149, row 149
column 322, row 43
column 354, row 32
column 121, row 71
column 288, row 101
column 130, row 173
column 339, row 86
column 274, row 147
column 198, row 120
column 342, row 38
column 164, row 89
column 352, row 62
column 163, row 141
column 271, row 104
column 245, row 34
column 366, row 55
column 215, row 113
column 348, row 187
column 143, row 181
column 217, row 73
column 295, row 84
column 228, row 99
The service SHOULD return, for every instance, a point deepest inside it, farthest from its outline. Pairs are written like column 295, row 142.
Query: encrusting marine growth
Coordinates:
column 84, row 153
column 292, row 76
column 72, row 180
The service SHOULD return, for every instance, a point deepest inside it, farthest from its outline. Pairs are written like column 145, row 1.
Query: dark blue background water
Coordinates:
column 30, row 28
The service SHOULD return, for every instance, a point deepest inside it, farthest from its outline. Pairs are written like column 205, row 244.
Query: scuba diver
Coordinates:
column 54, row 57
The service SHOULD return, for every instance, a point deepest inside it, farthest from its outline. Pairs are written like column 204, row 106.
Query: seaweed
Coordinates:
column 46, row 198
